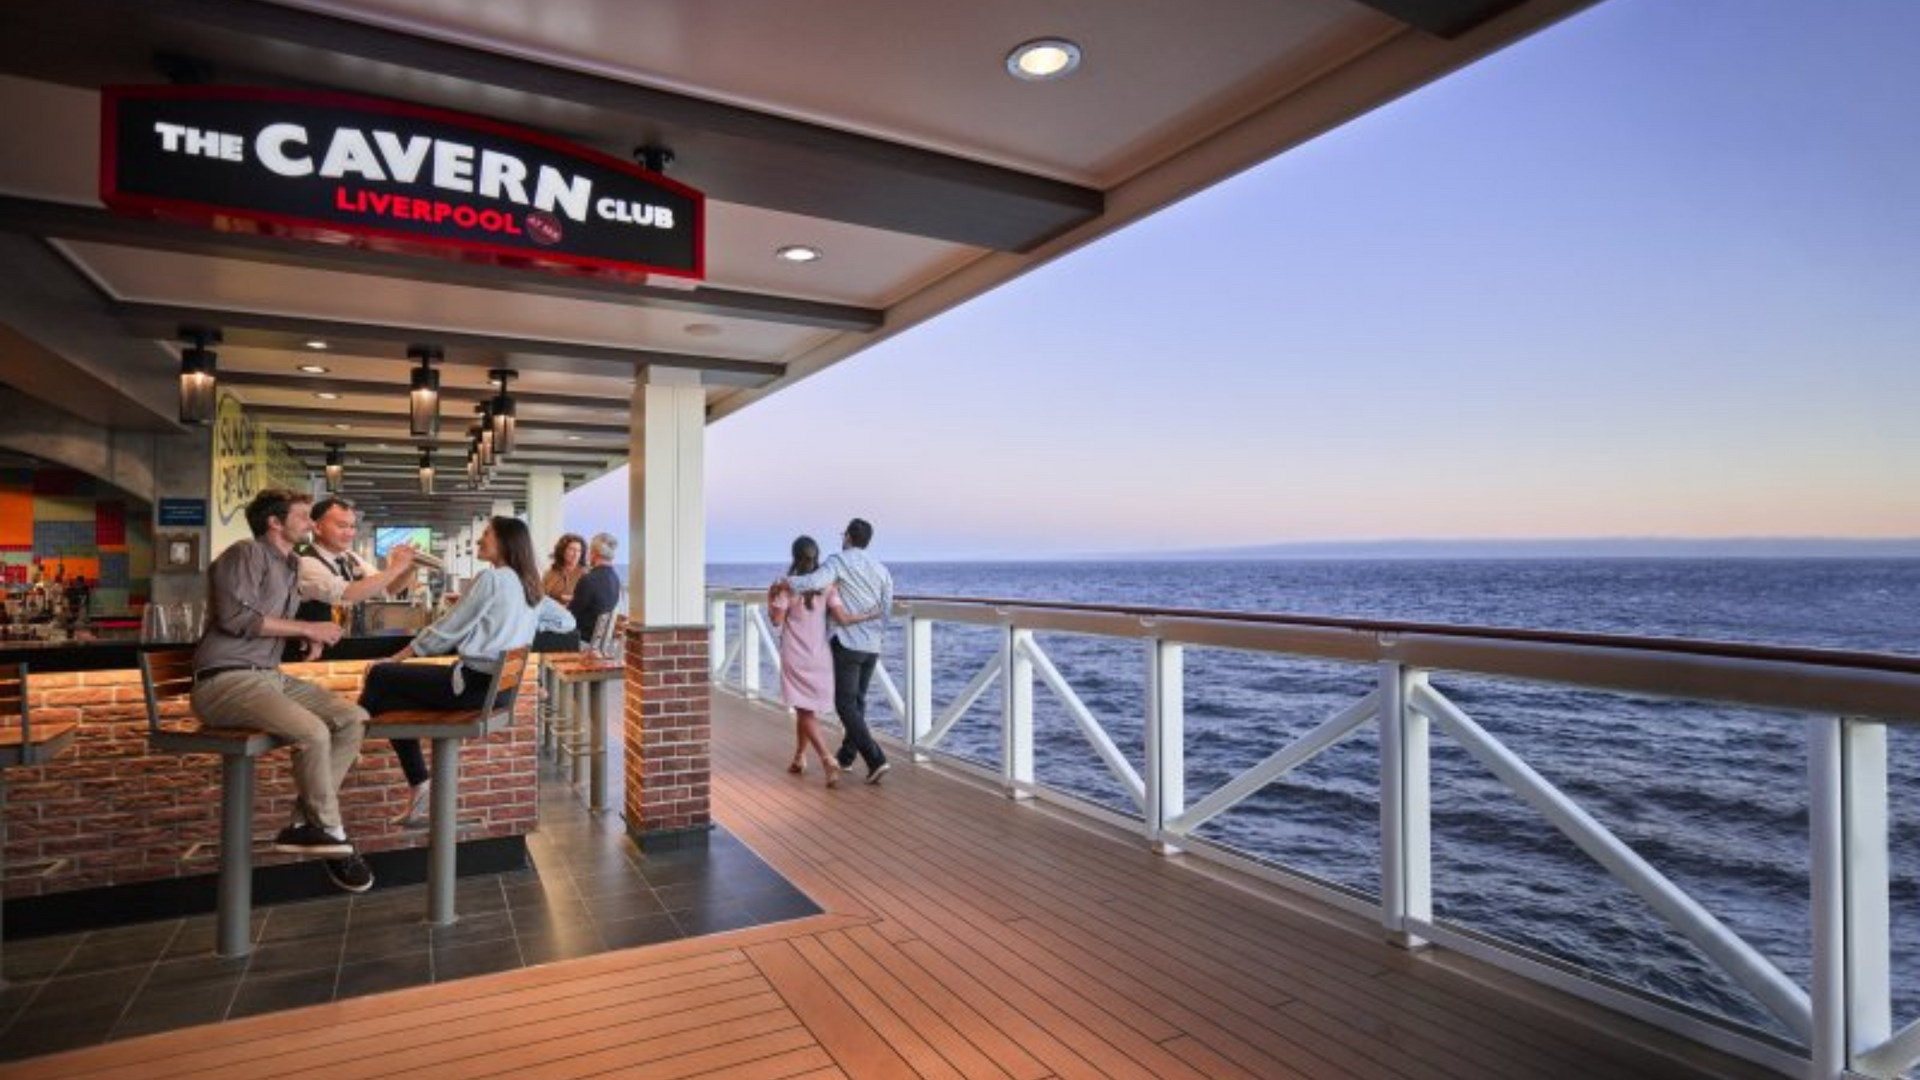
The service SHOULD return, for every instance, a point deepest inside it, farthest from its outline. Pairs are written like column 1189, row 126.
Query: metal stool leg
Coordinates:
column 602, row 695
column 582, row 708
column 234, row 922
column 549, row 711
column 442, row 831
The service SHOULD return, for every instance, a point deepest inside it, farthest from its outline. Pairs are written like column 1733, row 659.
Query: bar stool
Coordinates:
column 167, row 677
column 24, row 744
column 546, row 644
column 447, row 729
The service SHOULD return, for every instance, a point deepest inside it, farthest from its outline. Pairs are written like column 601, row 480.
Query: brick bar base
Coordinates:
column 669, row 733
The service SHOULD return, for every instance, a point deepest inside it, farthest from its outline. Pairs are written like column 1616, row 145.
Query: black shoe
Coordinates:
column 304, row 839
column 845, row 759
column 351, row 873
column 879, row 771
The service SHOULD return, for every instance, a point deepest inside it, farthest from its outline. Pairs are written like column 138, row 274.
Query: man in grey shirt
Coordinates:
column 252, row 596
column 865, row 585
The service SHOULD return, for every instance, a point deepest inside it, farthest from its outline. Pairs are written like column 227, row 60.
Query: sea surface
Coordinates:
column 1714, row 797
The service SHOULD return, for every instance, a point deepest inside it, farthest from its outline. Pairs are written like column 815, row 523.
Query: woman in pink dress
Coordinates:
column 806, row 662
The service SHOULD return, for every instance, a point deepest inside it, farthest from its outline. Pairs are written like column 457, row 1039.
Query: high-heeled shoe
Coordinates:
column 833, row 775
column 797, row 766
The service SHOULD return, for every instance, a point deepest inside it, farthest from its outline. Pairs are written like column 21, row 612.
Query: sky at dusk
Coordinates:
column 1653, row 272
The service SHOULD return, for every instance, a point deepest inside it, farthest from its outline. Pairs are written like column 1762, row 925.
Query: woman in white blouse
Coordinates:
column 502, row 609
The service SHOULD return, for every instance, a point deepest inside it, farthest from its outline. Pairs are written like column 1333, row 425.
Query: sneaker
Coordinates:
column 419, row 808
column 351, row 873
column 845, row 758
column 879, row 771
column 306, row 839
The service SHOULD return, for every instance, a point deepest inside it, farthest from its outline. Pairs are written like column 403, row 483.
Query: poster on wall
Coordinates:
column 246, row 460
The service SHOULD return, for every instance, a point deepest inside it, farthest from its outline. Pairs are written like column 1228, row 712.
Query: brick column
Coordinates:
column 669, row 734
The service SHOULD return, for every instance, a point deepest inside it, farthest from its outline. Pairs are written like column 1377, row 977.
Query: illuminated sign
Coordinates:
column 387, row 175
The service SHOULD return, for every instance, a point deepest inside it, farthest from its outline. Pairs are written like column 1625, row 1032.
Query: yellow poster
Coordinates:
column 246, row 459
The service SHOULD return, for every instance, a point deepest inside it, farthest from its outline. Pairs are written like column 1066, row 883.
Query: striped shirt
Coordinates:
column 865, row 585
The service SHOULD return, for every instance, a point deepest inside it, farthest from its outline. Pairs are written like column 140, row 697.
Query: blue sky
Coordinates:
column 1654, row 272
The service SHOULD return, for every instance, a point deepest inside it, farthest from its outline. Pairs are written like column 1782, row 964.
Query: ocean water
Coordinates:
column 1714, row 797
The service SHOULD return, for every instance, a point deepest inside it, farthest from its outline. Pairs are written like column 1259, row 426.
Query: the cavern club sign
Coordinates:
column 388, row 175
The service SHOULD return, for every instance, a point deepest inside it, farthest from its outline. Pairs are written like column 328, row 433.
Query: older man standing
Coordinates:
column 865, row 585
column 237, row 681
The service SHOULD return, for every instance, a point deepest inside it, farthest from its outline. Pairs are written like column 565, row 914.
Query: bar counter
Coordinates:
column 112, row 828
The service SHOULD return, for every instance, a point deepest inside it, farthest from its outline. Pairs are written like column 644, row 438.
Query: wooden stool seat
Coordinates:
column 19, row 746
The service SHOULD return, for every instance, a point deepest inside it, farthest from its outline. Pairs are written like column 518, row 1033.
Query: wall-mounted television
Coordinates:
column 384, row 538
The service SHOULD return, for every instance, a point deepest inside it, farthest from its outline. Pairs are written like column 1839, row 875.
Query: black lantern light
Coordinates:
column 423, row 401
column 426, row 470
column 197, row 376
column 336, row 466
column 503, row 410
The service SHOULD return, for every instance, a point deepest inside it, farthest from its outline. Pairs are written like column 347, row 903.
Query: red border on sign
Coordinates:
column 385, row 239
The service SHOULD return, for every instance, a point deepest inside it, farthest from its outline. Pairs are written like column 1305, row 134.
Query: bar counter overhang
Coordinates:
column 111, row 832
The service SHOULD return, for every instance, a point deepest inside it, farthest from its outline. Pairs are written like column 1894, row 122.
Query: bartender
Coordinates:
column 331, row 574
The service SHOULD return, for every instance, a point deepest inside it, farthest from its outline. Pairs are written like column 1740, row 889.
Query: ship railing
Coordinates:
column 1842, row 1021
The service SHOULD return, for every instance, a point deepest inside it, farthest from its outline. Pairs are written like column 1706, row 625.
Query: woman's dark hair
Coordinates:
column 560, row 550
column 515, row 542
column 806, row 559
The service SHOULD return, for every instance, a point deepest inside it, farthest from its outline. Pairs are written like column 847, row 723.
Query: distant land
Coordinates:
column 1652, row 547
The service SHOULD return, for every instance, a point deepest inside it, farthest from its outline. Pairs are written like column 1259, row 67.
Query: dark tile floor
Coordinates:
column 591, row 891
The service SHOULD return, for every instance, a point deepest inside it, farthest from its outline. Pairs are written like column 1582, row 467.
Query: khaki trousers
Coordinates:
column 324, row 728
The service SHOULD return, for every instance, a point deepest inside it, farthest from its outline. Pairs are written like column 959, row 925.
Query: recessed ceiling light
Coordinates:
column 343, row 427
column 326, row 395
column 573, row 438
column 313, row 369
column 797, row 253
column 316, row 343
column 1043, row 59
column 701, row 329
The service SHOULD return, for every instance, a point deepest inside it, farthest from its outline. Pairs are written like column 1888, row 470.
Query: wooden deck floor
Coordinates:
column 965, row 936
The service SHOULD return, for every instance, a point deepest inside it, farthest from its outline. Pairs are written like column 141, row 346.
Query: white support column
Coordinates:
column 503, row 508
column 716, row 638
column 545, row 486
column 1016, row 713
column 1406, row 830
column 1852, row 935
column 667, row 511
column 1166, row 740
column 919, row 660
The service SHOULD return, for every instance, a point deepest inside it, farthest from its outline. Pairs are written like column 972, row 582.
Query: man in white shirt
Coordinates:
column 865, row 585
column 330, row 572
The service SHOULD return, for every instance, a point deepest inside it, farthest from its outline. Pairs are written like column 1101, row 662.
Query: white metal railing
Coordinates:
column 1844, row 1018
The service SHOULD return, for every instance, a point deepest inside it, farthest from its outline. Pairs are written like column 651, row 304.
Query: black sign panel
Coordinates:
column 389, row 175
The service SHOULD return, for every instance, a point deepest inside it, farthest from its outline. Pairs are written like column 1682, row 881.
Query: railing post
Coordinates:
column 919, row 660
column 716, row 640
column 1406, row 831
column 749, row 652
column 1166, row 740
column 1847, row 825
column 1016, row 713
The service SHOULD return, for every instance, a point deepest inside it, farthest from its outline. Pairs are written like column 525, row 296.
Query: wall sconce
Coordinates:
column 197, row 375
column 423, row 400
column 336, row 466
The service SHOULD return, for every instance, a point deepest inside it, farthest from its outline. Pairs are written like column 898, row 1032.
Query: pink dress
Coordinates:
column 806, row 660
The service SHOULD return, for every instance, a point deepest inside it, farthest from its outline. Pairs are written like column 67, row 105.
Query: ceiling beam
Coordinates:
column 356, row 416
column 320, row 383
column 731, row 153
column 36, row 217
column 461, row 349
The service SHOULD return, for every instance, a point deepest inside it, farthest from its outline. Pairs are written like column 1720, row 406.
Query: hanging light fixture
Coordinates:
column 423, row 401
column 336, row 465
column 503, row 410
column 488, row 449
column 426, row 470
column 473, row 457
column 197, row 377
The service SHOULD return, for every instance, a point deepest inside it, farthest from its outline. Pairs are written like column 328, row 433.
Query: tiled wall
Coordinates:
column 70, row 522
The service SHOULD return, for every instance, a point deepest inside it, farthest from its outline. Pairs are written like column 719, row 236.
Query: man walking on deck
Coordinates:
column 865, row 585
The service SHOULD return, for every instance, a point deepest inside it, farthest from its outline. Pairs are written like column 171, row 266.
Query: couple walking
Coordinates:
column 832, row 618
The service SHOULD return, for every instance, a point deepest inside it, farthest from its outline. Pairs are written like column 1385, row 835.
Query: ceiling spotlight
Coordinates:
column 573, row 438
column 197, row 377
column 797, row 253
column 316, row 343
column 701, row 329
column 343, row 427
column 1043, row 59
column 326, row 395
column 312, row 369
column 423, row 400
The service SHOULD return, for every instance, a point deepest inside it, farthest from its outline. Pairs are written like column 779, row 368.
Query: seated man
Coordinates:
column 237, row 682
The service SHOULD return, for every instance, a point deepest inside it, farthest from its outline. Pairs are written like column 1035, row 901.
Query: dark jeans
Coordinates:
column 852, row 673
column 394, row 687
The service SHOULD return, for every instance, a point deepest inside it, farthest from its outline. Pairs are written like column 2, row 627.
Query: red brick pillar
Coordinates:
column 668, row 733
